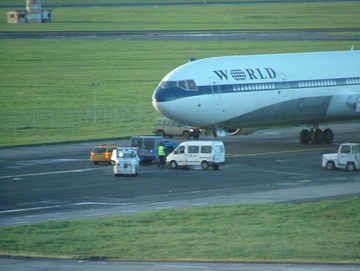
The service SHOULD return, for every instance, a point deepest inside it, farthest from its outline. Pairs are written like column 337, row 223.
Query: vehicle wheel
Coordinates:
column 305, row 136
column 330, row 165
column 160, row 133
column 205, row 165
column 173, row 164
column 350, row 166
column 196, row 136
column 186, row 134
column 95, row 163
column 216, row 167
column 328, row 136
column 116, row 175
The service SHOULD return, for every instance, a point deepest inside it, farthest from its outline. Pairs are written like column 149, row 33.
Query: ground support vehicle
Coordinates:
column 197, row 153
column 148, row 145
column 166, row 127
column 125, row 161
column 347, row 157
column 102, row 153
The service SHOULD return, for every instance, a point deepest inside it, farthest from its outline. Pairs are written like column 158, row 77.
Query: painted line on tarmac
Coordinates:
column 49, row 173
column 272, row 153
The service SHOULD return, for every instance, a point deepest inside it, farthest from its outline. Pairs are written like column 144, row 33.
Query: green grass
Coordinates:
column 189, row 18
column 324, row 232
column 73, row 90
column 60, row 91
column 20, row 3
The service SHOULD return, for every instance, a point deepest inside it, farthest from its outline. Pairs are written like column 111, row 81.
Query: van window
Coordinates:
column 193, row 149
column 181, row 149
column 135, row 142
column 345, row 149
column 205, row 149
column 149, row 143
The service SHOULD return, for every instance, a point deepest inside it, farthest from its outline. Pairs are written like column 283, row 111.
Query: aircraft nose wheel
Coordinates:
column 316, row 136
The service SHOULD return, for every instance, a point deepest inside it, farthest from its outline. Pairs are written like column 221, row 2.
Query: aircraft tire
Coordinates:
column 328, row 136
column 305, row 137
column 317, row 136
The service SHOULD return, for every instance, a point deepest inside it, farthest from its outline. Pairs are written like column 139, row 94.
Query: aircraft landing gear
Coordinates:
column 316, row 136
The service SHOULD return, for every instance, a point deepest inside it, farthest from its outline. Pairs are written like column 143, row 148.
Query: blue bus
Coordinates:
column 148, row 145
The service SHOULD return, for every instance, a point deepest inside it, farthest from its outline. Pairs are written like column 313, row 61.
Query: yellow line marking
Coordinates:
column 272, row 153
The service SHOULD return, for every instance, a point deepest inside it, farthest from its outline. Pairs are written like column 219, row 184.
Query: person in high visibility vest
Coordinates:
column 161, row 154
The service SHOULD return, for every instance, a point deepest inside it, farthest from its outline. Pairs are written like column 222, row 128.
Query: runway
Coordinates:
column 209, row 35
column 58, row 182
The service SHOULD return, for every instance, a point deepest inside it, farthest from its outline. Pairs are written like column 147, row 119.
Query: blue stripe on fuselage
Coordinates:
column 174, row 93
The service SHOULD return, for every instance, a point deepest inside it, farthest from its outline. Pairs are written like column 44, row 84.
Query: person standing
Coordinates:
column 161, row 155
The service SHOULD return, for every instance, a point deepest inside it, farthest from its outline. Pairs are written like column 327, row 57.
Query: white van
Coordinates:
column 197, row 153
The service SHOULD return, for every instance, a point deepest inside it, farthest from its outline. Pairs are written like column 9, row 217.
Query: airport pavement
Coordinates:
column 58, row 182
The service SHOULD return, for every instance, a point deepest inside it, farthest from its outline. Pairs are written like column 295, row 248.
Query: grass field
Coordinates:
column 20, row 3
column 71, row 90
column 74, row 90
column 324, row 232
column 333, row 15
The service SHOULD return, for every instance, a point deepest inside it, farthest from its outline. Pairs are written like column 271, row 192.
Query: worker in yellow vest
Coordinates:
column 161, row 155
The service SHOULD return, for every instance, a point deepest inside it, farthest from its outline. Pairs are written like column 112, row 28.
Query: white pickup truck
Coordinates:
column 347, row 157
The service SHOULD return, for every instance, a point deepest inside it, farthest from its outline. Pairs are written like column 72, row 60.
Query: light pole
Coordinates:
column 94, row 85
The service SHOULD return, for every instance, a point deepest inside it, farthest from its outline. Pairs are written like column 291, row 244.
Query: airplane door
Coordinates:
column 284, row 86
column 215, row 89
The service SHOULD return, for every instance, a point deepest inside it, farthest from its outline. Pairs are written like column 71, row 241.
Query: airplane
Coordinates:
column 231, row 94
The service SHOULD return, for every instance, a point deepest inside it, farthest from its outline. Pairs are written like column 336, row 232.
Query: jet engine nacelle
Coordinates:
column 236, row 131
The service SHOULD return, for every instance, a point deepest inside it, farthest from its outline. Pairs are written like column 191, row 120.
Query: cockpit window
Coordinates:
column 184, row 84
column 191, row 85
column 168, row 84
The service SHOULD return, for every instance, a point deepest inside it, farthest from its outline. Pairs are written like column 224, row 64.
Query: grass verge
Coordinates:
column 75, row 90
column 64, row 90
column 323, row 232
column 332, row 15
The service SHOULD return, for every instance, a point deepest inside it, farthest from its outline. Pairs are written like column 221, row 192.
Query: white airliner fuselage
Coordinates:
column 234, row 92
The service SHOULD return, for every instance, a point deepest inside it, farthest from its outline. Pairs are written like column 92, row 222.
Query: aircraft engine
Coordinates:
column 235, row 131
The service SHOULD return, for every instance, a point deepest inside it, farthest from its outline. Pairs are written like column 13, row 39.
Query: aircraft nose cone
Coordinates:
column 163, row 95
column 156, row 106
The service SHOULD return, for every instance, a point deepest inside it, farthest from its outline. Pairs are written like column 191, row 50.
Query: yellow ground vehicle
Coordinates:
column 102, row 153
